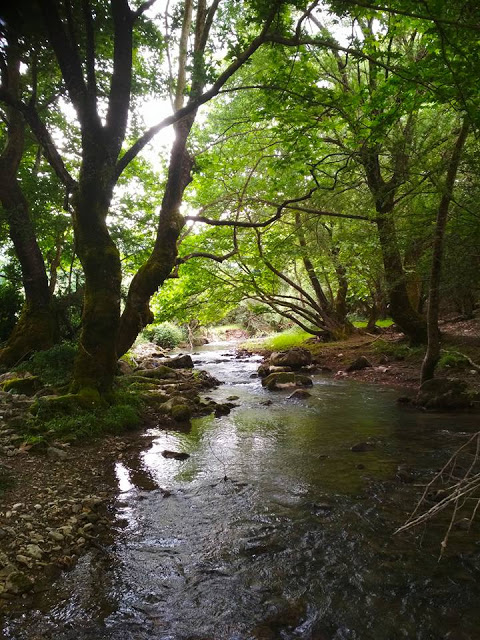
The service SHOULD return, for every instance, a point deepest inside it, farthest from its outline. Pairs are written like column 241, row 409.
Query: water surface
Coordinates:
column 274, row 528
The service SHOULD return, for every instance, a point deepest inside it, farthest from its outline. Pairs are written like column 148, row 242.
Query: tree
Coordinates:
column 102, row 101
column 37, row 327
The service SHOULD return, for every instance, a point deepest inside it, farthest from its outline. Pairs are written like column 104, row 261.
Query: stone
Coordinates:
column 183, row 361
column 263, row 370
column 295, row 358
column 362, row 446
column 124, row 368
column 444, row 394
column 54, row 453
column 176, row 455
column 278, row 380
column 299, row 394
column 34, row 551
column 57, row 536
column 360, row 363
column 18, row 583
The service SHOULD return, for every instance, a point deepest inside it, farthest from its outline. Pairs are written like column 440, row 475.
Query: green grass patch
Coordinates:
column 450, row 360
column 280, row 341
column 362, row 324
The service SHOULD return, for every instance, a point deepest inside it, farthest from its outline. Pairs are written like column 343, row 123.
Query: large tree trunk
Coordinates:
column 155, row 271
column 96, row 362
column 37, row 327
column 434, row 342
column 400, row 309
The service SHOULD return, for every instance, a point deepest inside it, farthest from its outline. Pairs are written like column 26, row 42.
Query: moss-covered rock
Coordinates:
column 278, row 380
column 28, row 385
column 284, row 380
column 444, row 394
column 48, row 407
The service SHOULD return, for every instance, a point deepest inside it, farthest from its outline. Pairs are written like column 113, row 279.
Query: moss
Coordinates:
column 51, row 406
column 84, row 416
column 28, row 385
column 36, row 330
column 181, row 412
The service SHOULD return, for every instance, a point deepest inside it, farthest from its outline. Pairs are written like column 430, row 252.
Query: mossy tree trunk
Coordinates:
column 155, row 271
column 37, row 327
column 434, row 339
column 96, row 362
column 383, row 192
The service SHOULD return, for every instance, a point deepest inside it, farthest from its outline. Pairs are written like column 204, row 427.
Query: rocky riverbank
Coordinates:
column 55, row 494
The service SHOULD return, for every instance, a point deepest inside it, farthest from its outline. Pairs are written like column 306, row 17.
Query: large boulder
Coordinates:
column 182, row 361
column 284, row 380
column 444, row 394
column 295, row 358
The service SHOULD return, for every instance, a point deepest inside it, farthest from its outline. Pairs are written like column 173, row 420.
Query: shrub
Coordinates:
column 54, row 366
column 452, row 361
column 166, row 334
column 10, row 305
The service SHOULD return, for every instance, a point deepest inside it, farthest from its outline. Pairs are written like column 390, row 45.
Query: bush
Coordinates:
column 10, row 305
column 166, row 335
column 452, row 361
column 54, row 366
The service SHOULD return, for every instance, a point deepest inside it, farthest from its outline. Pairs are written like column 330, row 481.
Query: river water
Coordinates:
column 274, row 529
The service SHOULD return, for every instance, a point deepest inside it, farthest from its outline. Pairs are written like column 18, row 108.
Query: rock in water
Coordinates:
column 360, row 363
column 176, row 455
column 295, row 358
column 444, row 394
column 362, row 446
column 299, row 394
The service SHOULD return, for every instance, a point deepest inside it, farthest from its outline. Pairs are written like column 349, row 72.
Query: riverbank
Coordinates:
column 393, row 362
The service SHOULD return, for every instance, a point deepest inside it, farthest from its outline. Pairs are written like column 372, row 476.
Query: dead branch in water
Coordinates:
column 458, row 493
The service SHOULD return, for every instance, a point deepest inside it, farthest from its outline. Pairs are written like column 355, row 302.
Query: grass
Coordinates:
column 384, row 324
column 280, row 341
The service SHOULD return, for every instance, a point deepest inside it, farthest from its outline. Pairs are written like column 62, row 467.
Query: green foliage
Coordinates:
column 281, row 341
column 10, row 305
column 397, row 350
column 54, row 366
column 166, row 335
column 384, row 324
column 450, row 360
column 121, row 414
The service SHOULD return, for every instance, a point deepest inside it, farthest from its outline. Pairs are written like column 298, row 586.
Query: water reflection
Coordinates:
column 274, row 529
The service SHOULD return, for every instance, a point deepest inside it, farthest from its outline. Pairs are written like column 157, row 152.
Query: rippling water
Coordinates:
column 274, row 528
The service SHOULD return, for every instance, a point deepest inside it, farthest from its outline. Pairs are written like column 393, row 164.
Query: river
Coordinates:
column 273, row 529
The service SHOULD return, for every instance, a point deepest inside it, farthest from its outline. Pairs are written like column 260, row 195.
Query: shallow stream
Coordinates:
column 274, row 529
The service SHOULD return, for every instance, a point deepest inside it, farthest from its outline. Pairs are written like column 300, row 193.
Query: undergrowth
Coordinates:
column 122, row 413
column 397, row 350
column 54, row 367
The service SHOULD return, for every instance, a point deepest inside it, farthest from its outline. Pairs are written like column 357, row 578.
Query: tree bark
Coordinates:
column 434, row 340
column 155, row 271
column 400, row 307
column 37, row 327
